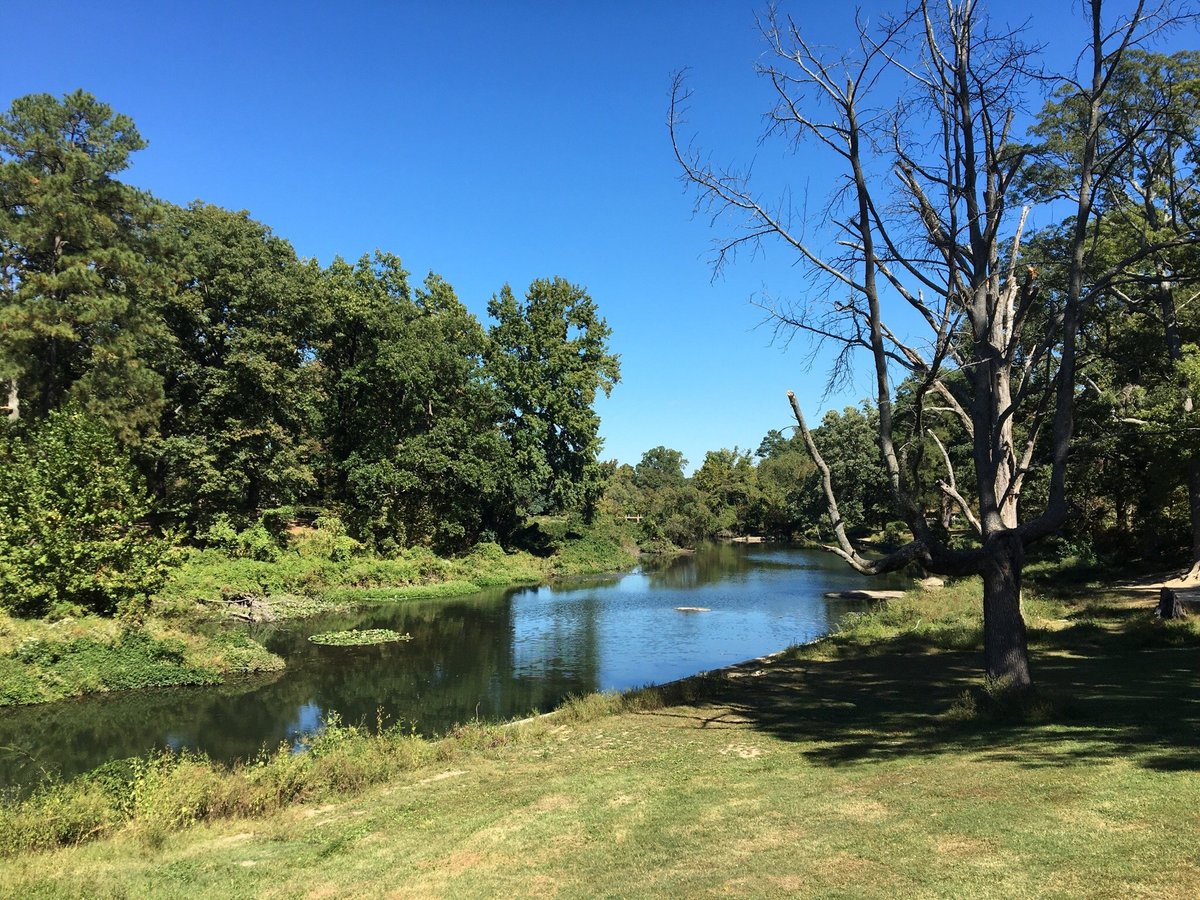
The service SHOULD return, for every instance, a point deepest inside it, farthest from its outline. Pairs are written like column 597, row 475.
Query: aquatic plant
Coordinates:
column 358, row 637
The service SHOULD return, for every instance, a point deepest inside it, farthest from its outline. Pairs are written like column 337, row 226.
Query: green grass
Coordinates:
column 453, row 588
column 874, row 763
column 295, row 585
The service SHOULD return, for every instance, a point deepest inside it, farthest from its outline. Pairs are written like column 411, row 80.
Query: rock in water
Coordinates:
column 865, row 595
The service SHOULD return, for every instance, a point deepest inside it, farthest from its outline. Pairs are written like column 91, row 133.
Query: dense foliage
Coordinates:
column 227, row 385
column 72, row 522
column 773, row 492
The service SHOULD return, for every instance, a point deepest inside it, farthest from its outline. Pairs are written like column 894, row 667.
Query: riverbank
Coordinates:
column 193, row 635
column 43, row 662
column 869, row 763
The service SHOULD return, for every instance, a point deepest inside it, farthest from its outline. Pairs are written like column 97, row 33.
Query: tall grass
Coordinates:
column 166, row 792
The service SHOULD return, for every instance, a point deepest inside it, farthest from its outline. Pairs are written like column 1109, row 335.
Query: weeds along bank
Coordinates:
column 164, row 793
column 191, row 632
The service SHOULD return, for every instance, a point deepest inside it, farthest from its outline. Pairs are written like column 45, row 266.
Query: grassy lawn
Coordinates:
column 866, row 765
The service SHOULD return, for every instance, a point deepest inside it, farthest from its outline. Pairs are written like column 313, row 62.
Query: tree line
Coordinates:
column 772, row 492
column 190, row 350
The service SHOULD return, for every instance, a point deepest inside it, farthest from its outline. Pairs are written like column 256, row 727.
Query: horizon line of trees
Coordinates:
column 1131, row 503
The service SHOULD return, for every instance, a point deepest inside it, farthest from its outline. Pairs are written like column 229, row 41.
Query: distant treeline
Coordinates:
column 1130, row 469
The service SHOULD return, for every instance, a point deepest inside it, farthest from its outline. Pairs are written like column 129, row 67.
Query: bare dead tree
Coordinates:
column 927, row 218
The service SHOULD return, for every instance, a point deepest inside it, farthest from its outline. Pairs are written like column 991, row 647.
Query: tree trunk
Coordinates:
column 1193, row 482
column 1005, row 650
column 13, row 406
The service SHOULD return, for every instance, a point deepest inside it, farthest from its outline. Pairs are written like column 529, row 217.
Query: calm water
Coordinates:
column 493, row 655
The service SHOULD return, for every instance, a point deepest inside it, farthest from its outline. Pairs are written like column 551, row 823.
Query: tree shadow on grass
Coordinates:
column 1104, row 692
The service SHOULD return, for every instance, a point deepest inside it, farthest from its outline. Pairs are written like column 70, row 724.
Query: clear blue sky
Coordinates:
column 489, row 142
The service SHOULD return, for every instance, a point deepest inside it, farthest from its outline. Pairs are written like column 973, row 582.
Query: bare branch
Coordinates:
column 950, row 488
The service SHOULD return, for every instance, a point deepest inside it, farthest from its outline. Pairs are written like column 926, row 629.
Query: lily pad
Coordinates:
column 356, row 637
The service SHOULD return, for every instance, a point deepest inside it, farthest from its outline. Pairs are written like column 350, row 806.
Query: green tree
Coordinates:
column 621, row 494
column 675, row 510
column 849, row 442
column 1141, row 447
column 728, row 482
column 74, row 273
column 243, row 314
column 786, row 485
column 548, row 356
column 415, row 454
column 660, row 467
column 72, row 521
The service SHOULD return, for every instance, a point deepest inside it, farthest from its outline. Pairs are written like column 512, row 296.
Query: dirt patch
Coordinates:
column 863, row 810
column 844, row 868
column 317, row 811
column 553, row 803
column 230, row 840
column 459, row 862
column 741, row 751
column 1187, row 589
column 960, row 845
column 441, row 776
column 788, row 883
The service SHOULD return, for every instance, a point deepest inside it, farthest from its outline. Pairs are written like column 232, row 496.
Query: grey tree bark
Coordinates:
column 930, row 219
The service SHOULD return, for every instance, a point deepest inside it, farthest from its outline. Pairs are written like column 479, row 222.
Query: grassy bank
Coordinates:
column 872, row 763
column 299, row 582
column 186, row 639
column 45, row 661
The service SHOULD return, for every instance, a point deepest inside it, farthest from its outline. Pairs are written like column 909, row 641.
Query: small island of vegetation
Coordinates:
column 358, row 637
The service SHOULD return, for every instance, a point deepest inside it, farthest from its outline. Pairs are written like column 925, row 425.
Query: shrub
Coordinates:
column 327, row 540
column 255, row 542
column 72, row 509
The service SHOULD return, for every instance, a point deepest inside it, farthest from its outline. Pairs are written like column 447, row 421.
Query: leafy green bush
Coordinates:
column 72, row 509
column 328, row 539
column 255, row 542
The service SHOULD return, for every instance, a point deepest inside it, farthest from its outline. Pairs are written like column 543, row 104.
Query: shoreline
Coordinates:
column 44, row 662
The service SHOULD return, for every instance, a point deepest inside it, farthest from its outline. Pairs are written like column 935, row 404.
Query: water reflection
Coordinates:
column 491, row 656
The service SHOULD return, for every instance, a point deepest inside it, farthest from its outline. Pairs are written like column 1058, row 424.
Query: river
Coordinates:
column 492, row 656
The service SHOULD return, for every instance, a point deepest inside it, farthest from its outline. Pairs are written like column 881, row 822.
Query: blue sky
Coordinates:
column 489, row 142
